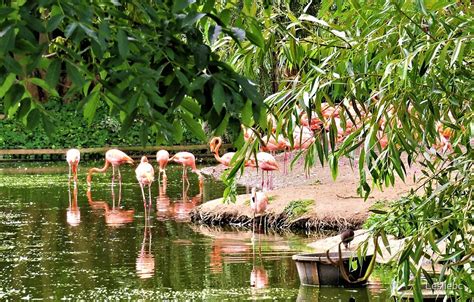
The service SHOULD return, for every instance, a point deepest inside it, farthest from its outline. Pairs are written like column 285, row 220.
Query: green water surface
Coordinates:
column 106, row 247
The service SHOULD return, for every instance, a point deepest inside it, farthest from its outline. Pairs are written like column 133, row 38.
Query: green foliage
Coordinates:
column 73, row 131
column 296, row 208
column 141, row 59
column 402, row 70
column 380, row 212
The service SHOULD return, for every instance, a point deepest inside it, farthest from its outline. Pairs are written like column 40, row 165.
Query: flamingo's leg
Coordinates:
column 149, row 194
column 253, row 226
column 143, row 194
column 73, row 168
column 187, row 180
column 69, row 193
column 120, row 194
column 113, row 174
column 119, row 175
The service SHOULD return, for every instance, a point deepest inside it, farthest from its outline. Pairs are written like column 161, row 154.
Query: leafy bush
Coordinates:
column 71, row 129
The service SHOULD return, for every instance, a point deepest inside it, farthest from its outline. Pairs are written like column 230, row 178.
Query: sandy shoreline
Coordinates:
column 330, row 205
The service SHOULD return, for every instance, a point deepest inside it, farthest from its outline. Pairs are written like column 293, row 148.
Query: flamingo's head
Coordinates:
column 143, row 160
column 253, row 194
column 215, row 141
column 212, row 144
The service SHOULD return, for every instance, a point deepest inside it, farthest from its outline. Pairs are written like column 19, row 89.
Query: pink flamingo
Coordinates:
column 115, row 158
column 258, row 204
column 215, row 145
column 444, row 141
column 314, row 124
column 73, row 156
column 162, row 157
column 145, row 176
column 303, row 138
column 187, row 159
column 267, row 163
column 249, row 135
column 273, row 145
column 270, row 144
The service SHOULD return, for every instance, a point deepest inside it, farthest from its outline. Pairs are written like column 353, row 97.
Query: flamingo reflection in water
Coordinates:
column 114, row 216
column 258, row 275
column 145, row 264
column 73, row 215
column 163, row 202
column 258, row 204
column 227, row 246
column 177, row 210
column 182, row 208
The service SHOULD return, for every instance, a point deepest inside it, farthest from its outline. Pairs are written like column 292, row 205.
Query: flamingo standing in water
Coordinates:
column 258, row 204
column 73, row 156
column 162, row 157
column 187, row 159
column 115, row 158
column 145, row 176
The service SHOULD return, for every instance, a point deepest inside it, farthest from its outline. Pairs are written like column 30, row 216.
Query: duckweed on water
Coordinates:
column 32, row 181
column 166, row 294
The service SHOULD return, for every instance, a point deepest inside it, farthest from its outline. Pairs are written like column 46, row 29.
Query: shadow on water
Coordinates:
column 61, row 241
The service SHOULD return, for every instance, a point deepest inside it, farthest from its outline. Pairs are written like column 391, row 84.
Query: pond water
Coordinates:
column 57, row 242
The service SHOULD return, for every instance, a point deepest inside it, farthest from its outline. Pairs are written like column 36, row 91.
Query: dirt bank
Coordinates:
column 299, row 202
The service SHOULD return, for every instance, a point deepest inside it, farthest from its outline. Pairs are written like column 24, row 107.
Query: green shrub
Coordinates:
column 72, row 130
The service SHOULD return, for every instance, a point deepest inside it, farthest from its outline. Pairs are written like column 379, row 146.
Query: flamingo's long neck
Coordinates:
column 216, row 151
column 94, row 170
column 195, row 169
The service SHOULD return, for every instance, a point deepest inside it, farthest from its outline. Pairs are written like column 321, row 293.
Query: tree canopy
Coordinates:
column 147, row 59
